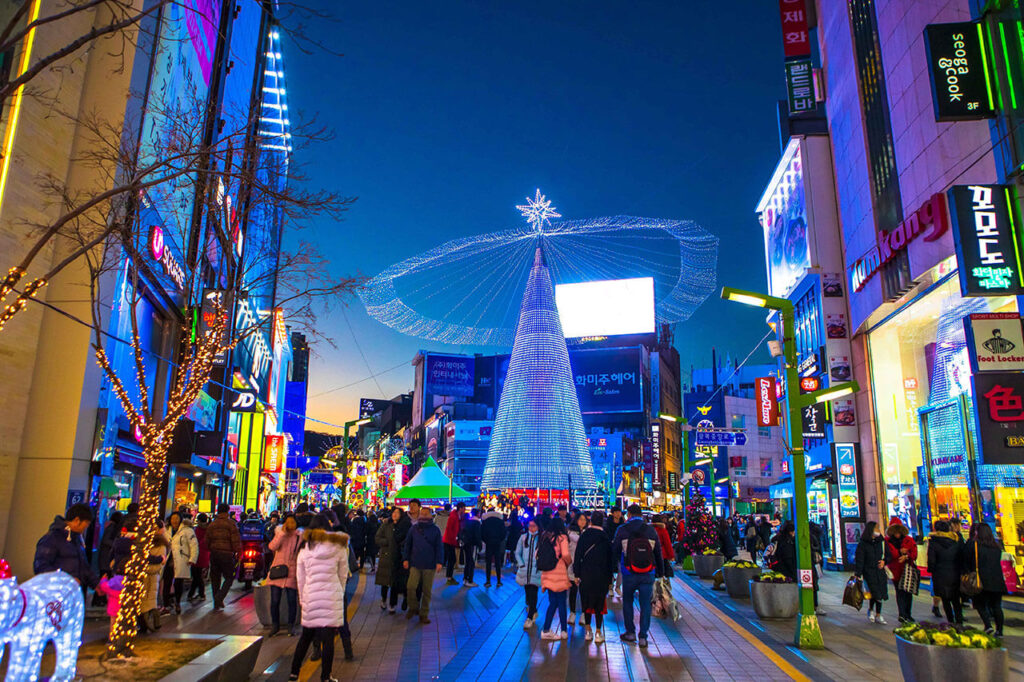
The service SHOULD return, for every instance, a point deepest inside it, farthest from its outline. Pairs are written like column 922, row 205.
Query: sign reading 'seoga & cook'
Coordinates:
column 959, row 72
column 929, row 222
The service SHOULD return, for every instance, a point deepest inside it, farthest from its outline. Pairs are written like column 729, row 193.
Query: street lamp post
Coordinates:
column 344, row 454
column 808, row 632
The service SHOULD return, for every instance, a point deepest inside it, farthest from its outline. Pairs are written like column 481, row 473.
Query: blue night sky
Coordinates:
column 447, row 114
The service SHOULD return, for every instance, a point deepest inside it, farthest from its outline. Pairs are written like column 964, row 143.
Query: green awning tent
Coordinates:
column 430, row 484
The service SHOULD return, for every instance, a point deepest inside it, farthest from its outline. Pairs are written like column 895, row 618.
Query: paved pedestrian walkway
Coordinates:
column 477, row 633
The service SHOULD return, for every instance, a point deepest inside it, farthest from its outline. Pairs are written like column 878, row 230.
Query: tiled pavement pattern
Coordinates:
column 477, row 633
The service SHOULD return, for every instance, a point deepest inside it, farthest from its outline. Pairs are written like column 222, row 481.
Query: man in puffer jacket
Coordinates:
column 225, row 544
column 62, row 547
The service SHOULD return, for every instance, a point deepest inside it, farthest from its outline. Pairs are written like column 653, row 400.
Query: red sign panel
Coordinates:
column 276, row 448
column 767, row 403
column 796, row 41
column 810, row 384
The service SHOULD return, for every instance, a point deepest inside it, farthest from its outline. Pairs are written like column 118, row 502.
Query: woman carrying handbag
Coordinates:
column 901, row 560
column 281, row 577
column 983, row 577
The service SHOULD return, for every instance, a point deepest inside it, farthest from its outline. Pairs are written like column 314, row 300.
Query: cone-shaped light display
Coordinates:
column 538, row 439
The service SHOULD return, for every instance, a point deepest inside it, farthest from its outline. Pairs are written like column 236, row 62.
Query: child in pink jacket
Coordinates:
column 112, row 586
column 556, row 581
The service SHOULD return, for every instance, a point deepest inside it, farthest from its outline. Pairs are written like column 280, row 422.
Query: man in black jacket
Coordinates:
column 611, row 525
column 471, row 537
column 422, row 556
column 638, row 580
column 492, row 532
column 62, row 548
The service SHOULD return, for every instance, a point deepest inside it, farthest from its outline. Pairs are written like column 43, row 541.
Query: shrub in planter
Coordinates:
column 738, row 575
column 774, row 595
column 945, row 652
column 707, row 563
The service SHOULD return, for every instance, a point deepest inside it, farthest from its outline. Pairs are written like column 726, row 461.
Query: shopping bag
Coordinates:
column 672, row 610
column 658, row 603
column 853, row 595
column 911, row 578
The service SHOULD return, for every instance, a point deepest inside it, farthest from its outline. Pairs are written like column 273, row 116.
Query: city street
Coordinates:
column 477, row 633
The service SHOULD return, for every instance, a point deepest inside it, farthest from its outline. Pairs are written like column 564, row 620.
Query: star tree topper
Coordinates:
column 538, row 211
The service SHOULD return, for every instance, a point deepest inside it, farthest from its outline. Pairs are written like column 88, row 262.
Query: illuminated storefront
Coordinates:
column 924, row 407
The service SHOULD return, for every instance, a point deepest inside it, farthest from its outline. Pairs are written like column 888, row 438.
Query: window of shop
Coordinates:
column 920, row 369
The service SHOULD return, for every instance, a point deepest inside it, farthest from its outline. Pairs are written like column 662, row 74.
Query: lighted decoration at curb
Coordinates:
column 49, row 607
column 538, row 439
column 467, row 291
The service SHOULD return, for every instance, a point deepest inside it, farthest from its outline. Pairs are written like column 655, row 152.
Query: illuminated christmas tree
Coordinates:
column 701, row 528
column 538, row 439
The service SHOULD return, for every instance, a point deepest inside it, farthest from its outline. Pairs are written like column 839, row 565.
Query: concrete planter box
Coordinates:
column 705, row 565
column 231, row 660
column 774, row 600
column 737, row 580
column 930, row 663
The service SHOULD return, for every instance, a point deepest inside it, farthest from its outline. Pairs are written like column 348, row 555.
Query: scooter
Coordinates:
column 252, row 565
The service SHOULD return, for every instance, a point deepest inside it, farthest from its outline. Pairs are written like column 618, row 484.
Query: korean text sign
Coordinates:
column 987, row 247
column 999, row 413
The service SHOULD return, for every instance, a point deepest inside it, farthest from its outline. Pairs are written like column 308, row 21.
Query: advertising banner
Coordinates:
column 275, row 452
column 648, row 466
column 995, row 341
column 846, row 476
column 320, row 477
column 987, row 246
column 956, row 62
column 656, row 474
column 208, row 317
column 243, row 400
column 608, row 380
column 371, row 406
column 450, row 375
column 783, row 219
column 767, row 405
column 999, row 416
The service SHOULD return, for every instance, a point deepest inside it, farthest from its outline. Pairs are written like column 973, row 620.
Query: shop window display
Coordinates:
column 926, row 433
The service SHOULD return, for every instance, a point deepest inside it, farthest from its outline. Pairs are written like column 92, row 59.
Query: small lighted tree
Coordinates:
column 700, row 533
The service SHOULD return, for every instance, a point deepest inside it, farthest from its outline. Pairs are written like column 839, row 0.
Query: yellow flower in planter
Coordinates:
column 920, row 635
column 940, row 638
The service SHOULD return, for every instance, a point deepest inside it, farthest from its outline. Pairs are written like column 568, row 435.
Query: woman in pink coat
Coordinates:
column 285, row 546
column 322, row 571
column 556, row 581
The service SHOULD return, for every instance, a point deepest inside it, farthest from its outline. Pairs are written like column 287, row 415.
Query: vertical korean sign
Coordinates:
column 987, row 246
column 849, row 492
column 767, row 404
column 656, row 475
column 999, row 415
column 800, row 86
column 796, row 40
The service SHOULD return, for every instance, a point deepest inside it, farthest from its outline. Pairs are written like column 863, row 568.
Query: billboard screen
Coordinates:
column 606, row 307
column 783, row 216
column 608, row 379
column 449, row 375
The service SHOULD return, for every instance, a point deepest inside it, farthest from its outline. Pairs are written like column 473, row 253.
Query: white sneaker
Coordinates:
column 879, row 619
column 871, row 616
column 599, row 636
column 547, row 634
column 563, row 635
column 572, row 619
column 588, row 635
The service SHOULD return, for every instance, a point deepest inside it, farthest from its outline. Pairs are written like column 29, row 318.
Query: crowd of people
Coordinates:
column 580, row 559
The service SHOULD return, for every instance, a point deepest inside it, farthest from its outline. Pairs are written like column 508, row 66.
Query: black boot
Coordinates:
column 346, row 643
column 315, row 656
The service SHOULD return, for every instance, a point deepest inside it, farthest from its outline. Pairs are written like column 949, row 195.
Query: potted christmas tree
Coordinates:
column 700, row 537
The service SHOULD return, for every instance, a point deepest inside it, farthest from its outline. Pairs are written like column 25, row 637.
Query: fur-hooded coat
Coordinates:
column 322, row 571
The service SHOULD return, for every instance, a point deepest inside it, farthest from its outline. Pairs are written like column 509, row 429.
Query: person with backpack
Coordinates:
column 471, row 537
column 527, row 574
column 553, row 560
column 638, row 555
column 592, row 566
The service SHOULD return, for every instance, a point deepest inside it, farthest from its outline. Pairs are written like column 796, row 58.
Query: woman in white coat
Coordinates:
column 184, row 553
column 322, row 571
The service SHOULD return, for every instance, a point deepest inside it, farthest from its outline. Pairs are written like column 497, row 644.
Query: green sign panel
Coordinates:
column 800, row 86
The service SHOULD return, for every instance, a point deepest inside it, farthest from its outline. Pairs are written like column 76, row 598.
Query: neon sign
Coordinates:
column 162, row 255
